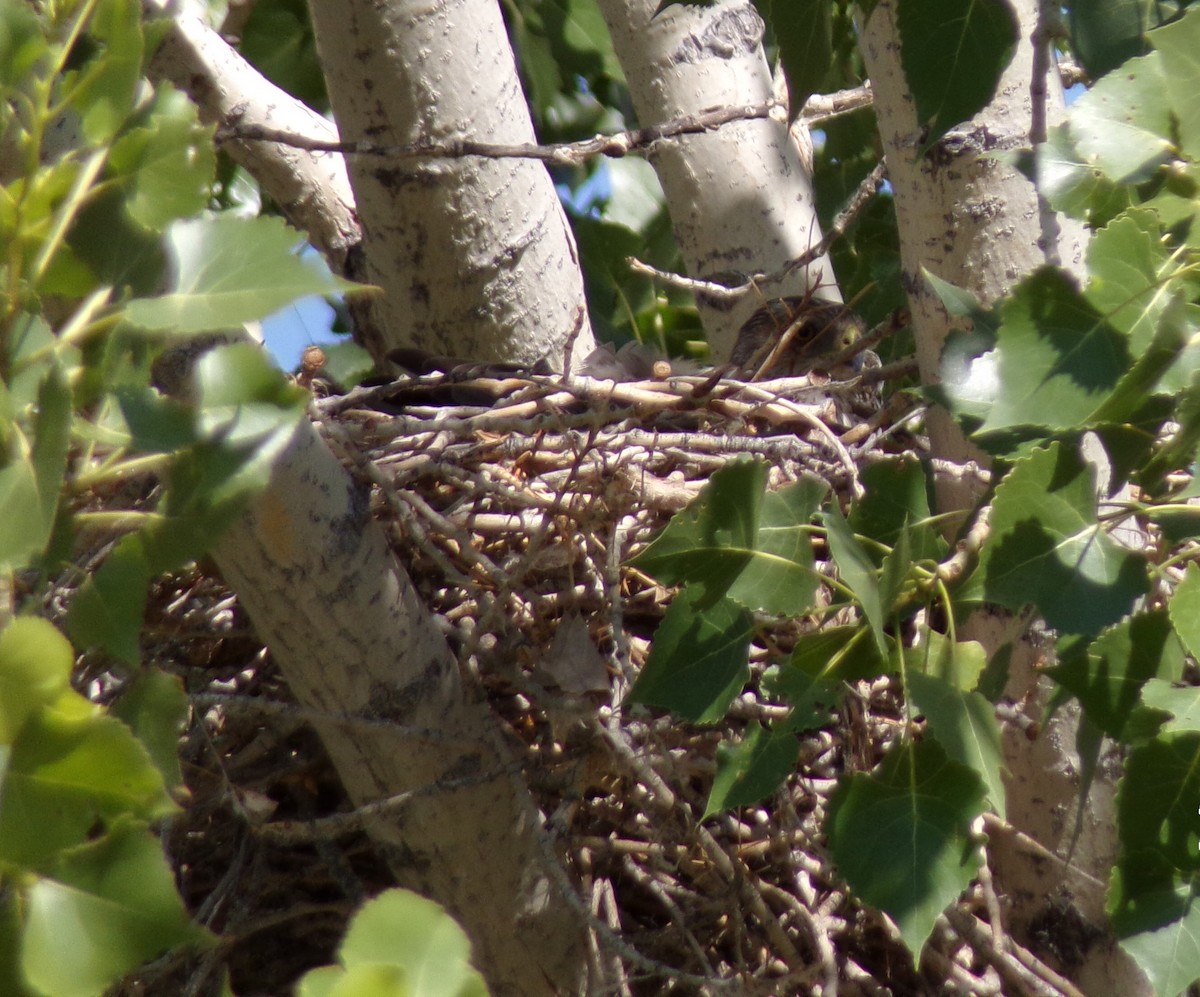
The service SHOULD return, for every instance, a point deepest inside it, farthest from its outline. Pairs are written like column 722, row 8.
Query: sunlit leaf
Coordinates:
column 103, row 909
column 230, row 270
column 35, row 666
column 399, row 944
column 1179, row 46
column 1122, row 125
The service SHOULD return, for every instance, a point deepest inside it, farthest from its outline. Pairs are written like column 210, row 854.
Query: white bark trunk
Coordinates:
column 355, row 643
column 740, row 199
column 978, row 223
column 351, row 637
column 475, row 257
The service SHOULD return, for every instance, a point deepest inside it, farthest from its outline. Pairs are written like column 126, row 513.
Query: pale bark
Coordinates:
column 355, row 643
column 972, row 219
column 351, row 637
column 475, row 257
column 312, row 189
column 741, row 201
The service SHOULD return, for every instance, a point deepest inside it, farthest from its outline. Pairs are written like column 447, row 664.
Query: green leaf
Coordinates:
column 1179, row 46
column 155, row 708
column 1071, row 183
column 109, row 606
column 348, row 363
column 1104, row 33
column 1157, row 802
column 278, row 40
column 896, row 499
column 735, row 541
column 1108, row 673
column 106, row 908
column 1184, row 609
column 228, row 271
column 699, row 659
column 1046, row 548
column 821, row 664
column 1168, row 951
column 1122, row 125
column 858, row 573
column 11, row 902
column 69, row 769
column 754, row 768
column 400, row 944
column 30, row 484
column 1128, row 270
column 1056, row 358
column 35, row 668
column 167, row 166
column 22, row 44
column 1180, row 703
column 104, row 87
column 960, row 664
column 953, row 53
column 901, row 836
column 803, row 30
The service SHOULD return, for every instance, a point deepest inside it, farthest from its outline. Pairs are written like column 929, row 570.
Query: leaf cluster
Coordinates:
column 1085, row 395
column 113, row 281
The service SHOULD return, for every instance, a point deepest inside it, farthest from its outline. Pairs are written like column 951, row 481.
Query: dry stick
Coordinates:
column 1042, row 980
column 818, row 108
column 724, row 292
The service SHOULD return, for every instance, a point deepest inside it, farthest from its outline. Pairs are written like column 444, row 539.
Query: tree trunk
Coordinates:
column 475, row 256
column 741, row 201
column 975, row 221
column 356, row 645
column 325, row 593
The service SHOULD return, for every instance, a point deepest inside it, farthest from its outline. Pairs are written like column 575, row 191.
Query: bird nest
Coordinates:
column 515, row 503
column 517, row 515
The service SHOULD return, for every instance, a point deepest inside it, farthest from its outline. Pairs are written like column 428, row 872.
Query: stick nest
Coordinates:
column 516, row 520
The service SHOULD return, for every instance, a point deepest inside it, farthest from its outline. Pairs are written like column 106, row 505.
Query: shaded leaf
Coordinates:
column 735, row 541
column 953, row 52
column 108, row 608
column 901, row 836
column 1165, row 939
column 803, row 30
column 154, row 706
column 1107, row 674
column 858, row 573
column 815, row 676
column 699, row 659
column 1104, row 33
column 1157, row 802
column 1046, row 548
column 753, row 768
